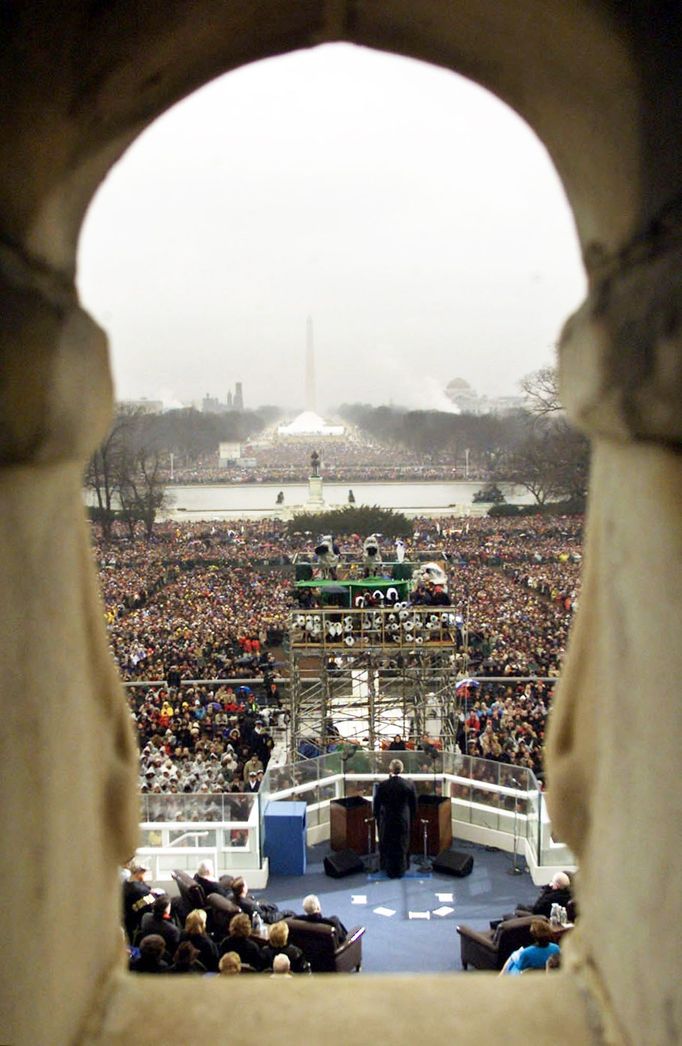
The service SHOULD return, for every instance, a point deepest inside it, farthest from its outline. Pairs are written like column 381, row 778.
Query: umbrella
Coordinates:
column 467, row 682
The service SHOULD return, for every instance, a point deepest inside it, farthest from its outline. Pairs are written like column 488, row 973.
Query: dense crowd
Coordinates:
column 205, row 601
column 211, row 472
column 204, row 740
column 506, row 724
column 351, row 458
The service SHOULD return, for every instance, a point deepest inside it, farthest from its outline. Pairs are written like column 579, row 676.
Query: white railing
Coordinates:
column 231, row 845
column 489, row 812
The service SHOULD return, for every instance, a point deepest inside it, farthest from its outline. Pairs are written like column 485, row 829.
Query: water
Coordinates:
column 256, row 500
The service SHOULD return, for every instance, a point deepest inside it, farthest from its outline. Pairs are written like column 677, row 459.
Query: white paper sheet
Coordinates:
column 445, row 897
column 420, row 915
column 358, row 898
column 444, row 909
column 388, row 912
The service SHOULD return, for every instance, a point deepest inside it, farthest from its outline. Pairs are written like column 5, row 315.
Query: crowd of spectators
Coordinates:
column 206, row 601
column 203, row 741
column 348, row 458
column 506, row 724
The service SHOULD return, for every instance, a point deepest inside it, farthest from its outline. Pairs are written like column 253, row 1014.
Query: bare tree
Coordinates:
column 542, row 390
column 552, row 460
column 531, row 467
column 126, row 473
column 102, row 475
column 140, row 468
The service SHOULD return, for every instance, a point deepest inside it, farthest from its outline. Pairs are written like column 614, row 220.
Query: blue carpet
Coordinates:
column 398, row 943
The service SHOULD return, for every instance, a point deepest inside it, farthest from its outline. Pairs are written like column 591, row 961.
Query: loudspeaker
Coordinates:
column 454, row 862
column 343, row 863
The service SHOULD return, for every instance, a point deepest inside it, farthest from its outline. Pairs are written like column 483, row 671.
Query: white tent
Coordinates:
column 310, row 424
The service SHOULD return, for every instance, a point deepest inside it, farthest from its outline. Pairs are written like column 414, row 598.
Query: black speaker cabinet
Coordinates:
column 454, row 862
column 343, row 863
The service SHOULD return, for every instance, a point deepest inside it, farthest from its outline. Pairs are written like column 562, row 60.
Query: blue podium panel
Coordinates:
column 285, row 838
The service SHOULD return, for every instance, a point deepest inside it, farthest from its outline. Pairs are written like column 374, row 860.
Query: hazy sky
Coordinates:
column 415, row 217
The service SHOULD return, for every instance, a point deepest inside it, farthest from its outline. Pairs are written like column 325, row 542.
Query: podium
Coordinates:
column 348, row 830
column 437, row 811
column 285, row 837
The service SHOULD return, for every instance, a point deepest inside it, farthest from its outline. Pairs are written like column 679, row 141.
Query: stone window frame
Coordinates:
column 80, row 83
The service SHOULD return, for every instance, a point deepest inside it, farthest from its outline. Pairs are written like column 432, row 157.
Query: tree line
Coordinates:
column 536, row 447
column 440, row 437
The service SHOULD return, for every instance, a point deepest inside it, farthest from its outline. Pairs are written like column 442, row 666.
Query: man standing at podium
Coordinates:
column 395, row 803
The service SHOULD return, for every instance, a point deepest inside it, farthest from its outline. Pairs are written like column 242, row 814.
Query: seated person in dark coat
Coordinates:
column 312, row 913
column 278, row 944
column 186, row 960
column 137, row 898
column 239, row 940
column 195, row 932
column 205, row 876
column 159, row 921
column 557, row 891
column 395, row 803
column 151, row 960
column 268, row 911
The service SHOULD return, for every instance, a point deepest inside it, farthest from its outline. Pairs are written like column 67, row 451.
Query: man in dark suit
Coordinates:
column 395, row 803
column 312, row 913
column 557, row 891
column 158, row 921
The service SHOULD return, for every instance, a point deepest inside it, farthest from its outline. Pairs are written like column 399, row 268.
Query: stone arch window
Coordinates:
column 600, row 85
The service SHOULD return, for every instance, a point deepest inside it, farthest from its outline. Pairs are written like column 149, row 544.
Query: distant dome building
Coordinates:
column 460, row 392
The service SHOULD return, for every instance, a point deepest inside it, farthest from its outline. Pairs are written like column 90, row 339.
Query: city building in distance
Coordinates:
column 233, row 401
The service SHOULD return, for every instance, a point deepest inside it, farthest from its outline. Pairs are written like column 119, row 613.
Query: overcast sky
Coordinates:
column 415, row 217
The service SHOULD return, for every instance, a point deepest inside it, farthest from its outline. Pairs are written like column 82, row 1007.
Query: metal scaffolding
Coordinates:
column 365, row 675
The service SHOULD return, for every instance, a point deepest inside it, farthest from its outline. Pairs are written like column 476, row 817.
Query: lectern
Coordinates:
column 436, row 810
column 347, row 824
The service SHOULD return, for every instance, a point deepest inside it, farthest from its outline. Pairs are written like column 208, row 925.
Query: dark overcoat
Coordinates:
column 395, row 803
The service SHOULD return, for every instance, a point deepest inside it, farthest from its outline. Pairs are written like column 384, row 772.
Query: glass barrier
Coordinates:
column 178, row 831
column 229, row 806
column 532, row 835
column 492, row 796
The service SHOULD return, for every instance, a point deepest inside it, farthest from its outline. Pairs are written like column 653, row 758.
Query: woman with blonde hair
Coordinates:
column 278, row 944
column 230, row 964
column 195, row 932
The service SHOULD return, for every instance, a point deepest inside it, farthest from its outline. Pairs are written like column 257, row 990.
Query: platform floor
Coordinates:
column 398, row 943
